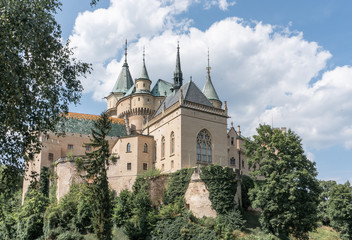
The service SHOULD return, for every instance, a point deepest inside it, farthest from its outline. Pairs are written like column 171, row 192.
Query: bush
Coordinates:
column 227, row 223
column 247, row 183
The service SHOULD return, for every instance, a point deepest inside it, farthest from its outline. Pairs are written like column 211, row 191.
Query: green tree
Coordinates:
column 289, row 193
column 95, row 168
column 38, row 76
column 323, row 207
column 30, row 218
column 340, row 209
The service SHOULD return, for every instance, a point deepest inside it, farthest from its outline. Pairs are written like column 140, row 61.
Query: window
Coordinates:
column 143, row 84
column 162, row 167
column 129, row 166
column 204, row 151
column 232, row 161
column 51, row 157
column 172, row 143
column 128, row 148
column 88, row 148
column 70, row 147
column 162, row 147
column 172, row 164
column 145, row 149
column 242, row 164
column 232, row 140
column 145, row 166
column 139, row 99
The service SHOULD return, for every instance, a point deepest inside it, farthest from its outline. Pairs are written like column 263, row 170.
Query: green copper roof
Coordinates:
column 144, row 73
column 124, row 81
column 161, row 87
column 83, row 123
column 208, row 89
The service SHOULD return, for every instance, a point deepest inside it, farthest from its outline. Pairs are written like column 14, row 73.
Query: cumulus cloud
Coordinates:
column 267, row 74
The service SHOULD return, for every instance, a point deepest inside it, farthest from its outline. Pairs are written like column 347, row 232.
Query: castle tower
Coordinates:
column 178, row 73
column 143, row 82
column 123, row 83
column 209, row 90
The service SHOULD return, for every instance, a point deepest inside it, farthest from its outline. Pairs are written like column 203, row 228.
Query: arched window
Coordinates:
column 145, row 148
column 172, row 143
column 232, row 161
column 162, row 147
column 204, row 151
column 128, row 148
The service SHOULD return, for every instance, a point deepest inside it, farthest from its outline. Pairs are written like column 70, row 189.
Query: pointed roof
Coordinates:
column 160, row 88
column 178, row 78
column 190, row 93
column 124, row 80
column 144, row 74
column 208, row 89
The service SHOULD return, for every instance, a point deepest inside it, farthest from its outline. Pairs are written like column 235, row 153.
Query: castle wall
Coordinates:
column 169, row 123
column 193, row 121
column 197, row 198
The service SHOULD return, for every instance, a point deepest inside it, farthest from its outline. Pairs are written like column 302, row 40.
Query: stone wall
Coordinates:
column 197, row 198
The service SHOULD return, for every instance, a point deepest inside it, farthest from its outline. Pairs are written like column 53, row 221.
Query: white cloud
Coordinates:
column 264, row 72
column 222, row 4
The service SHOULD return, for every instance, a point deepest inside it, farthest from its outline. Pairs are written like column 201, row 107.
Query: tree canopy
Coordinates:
column 289, row 193
column 38, row 76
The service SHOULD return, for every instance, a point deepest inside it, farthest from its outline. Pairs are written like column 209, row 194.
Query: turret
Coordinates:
column 178, row 78
column 209, row 90
column 143, row 82
column 123, row 83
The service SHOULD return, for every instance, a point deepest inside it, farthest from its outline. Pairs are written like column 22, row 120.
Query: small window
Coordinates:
column 70, row 147
column 88, row 148
column 128, row 147
column 162, row 147
column 232, row 140
column 162, row 167
column 143, row 84
column 145, row 149
column 242, row 164
column 172, row 143
column 129, row 166
column 147, row 99
column 145, row 166
column 232, row 161
column 139, row 99
column 51, row 157
column 172, row 164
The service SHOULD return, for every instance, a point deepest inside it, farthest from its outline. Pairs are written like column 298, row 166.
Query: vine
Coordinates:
column 177, row 185
column 221, row 184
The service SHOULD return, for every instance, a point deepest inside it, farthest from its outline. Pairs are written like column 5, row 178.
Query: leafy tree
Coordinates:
column 289, row 193
column 95, row 168
column 340, row 209
column 123, row 208
column 247, row 184
column 323, row 207
column 71, row 216
column 38, row 76
column 30, row 217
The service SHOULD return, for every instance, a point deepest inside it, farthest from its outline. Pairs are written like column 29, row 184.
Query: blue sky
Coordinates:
column 281, row 62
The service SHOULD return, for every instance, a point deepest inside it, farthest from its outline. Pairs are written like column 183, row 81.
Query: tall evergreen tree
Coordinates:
column 289, row 193
column 95, row 168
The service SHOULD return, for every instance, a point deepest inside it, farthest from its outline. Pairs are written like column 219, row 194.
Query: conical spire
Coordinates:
column 144, row 72
column 124, row 80
column 178, row 73
column 208, row 89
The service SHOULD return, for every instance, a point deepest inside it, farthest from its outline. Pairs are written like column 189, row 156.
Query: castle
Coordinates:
column 169, row 127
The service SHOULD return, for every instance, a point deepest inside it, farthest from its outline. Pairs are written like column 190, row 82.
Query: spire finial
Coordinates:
column 178, row 73
column 126, row 51
column 208, row 68
column 143, row 54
